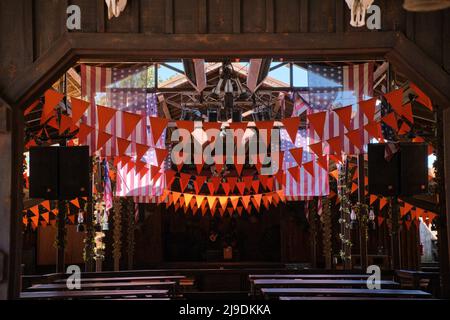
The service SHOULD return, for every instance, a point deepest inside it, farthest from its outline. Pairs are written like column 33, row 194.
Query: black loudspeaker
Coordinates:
column 383, row 174
column 59, row 173
column 406, row 174
column 44, row 173
column 73, row 172
column 213, row 115
column 414, row 168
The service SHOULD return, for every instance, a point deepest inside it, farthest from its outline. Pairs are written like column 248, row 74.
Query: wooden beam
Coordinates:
column 340, row 14
column 270, row 16
column 237, row 15
column 304, row 16
column 165, row 108
column 202, row 16
column 169, row 25
column 75, row 76
column 427, row 74
column 101, row 21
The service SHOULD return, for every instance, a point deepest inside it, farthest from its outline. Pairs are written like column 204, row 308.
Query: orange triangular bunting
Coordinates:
column 317, row 148
column 187, row 125
column 395, row 99
column 317, row 120
column 102, row 139
column 297, row 154
column 234, row 202
column 374, row 130
column 368, row 108
column 105, row 115
column 158, row 125
column 83, row 132
column 52, row 98
column 422, row 97
column 345, row 116
column 241, row 187
column 65, row 124
column 309, row 167
column 295, row 173
column 355, row 138
column 122, row 146
column 161, row 155
column 373, row 199
column 79, row 107
column 408, row 113
column 223, row 202
column 76, row 203
column 391, row 121
column 130, row 121
column 46, row 205
column 246, row 201
column 335, row 144
column 291, row 125
column 141, row 150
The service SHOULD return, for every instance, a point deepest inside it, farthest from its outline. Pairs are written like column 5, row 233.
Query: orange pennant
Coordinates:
column 239, row 210
column 241, row 187
column 141, row 150
column 345, row 116
column 161, row 155
column 122, row 146
column 297, row 154
column 335, row 144
column 226, row 188
column 373, row 199
column 216, row 182
column 35, row 210
column 199, row 168
column 170, row 175
column 255, row 185
column 355, row 138
column 309, row 167
column 102, row 139
column 374, row 130
column 317, row 120
column 295, row 173
column 65, row 124
column 46, row 205
column 391, row 121
column 223, row 202
column 322, row 161
column 232, row 181
column 158, row 125
column 52, row 99
column 395, row 99
column 234, row 202
column 383, row 203
column 317, row 148
column 75, row 202
column 79, row 107
column 130, row 121
column 291, row 125
column 246, row 201
column 188, row 199
column 404, row 129
column 83, row 132
column 380, row 220
column 211, row 203
column 422, row 97
column 104, row 116
column 368, row 108
column 211, row 188
column 184, row 181
column 335, row 174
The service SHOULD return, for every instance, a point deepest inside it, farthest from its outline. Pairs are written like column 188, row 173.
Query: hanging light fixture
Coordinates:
column 372, row 219
column 353, row 220
column 80, row 225
column 425, row 5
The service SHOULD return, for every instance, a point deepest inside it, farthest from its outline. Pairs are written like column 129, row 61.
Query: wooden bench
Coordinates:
column 420, row 280
column 127, row 279
column 309, row 276
column 170, row 286
column 350, row 299
column 274, row 293
column 294, row 283
column 103, row 294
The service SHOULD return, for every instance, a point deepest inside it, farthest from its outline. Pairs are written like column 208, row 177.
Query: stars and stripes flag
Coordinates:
column 332, row 87
column 124, row 89
column 309, row 186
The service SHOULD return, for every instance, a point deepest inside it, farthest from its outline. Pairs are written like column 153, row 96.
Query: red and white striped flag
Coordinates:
column 336, row 87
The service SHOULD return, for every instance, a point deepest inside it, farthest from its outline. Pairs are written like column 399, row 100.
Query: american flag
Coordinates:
column 124, row 89
column 107, row 194
column 308, row 186
column 332, row 87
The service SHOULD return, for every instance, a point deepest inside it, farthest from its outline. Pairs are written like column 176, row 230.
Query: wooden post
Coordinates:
column 313, row 231
column 395, row 236
column 362, row 222
column 443, row 176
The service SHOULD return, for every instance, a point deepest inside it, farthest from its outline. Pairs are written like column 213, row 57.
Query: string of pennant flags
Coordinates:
column 44, row 213
column 131, row 153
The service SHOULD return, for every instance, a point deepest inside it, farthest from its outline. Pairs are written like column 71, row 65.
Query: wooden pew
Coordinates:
column 294, row 283
column 420, row 280
column 275, row 293
column 170, row 286
column 350, row 299
column 94, row 294
column 176, row 279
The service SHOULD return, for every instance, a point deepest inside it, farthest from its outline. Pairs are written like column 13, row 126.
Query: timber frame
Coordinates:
column 36, row 49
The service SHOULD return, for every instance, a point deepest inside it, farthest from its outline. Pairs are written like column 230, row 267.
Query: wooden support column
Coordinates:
column 395, row 234
column 443, row 156
column 313, row 231
column 362, row 222
column 11, row 159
